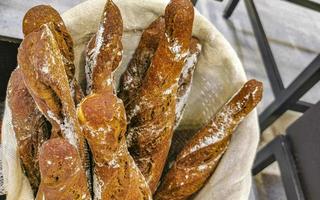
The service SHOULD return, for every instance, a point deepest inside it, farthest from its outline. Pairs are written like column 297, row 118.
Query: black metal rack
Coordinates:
column 285, row 98
column 293, row 147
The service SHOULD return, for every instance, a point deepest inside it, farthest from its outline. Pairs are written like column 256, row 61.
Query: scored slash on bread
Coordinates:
column 201, row 155
column 151, row 115
column 30, row 127
column 103, row 119
column 62, row 175
column 43, row 69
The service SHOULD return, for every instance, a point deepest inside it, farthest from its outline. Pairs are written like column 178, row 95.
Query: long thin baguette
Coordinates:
column 201, row 155
column 151, row 114
column 43, row 70
column 116, row 176
column 132, row 78
column 30, row 126
column 102, row 116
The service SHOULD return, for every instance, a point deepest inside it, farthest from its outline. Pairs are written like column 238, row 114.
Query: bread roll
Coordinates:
column 201, row 155
column 151, row 115
column 30, row 127
column 62, row 175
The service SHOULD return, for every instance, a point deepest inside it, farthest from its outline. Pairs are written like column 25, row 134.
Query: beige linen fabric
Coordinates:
column 218, row 75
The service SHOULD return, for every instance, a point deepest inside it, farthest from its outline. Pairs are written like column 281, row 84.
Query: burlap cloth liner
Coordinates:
column 218, row 75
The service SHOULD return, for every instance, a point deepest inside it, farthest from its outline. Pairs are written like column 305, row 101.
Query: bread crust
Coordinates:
column 116, row 176
column 131, row 79
column 62, row 175
column 104, row 51
column 151, row 114
column 30, row 127
column 186, row 77
column 43, row 70
column 43, row 14
column 201, row 155
column 103, row 119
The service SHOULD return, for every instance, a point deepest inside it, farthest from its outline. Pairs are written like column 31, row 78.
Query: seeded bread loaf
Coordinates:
column 201, row 155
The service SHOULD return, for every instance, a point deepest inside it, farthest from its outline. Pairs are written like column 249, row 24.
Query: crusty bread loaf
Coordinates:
column 104, row 51
column 30, row 127
column 116, row 176
column 43, row 70
column 152, row 113
column 201, row 155
column 103, row 119
column 62, row 175
column 43, row 14
column 132, row 78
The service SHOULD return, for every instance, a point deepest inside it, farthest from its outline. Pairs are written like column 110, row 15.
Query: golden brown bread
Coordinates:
column 132, row 78
column 62, row 175
column 43, row 14
column 43, row 70
column 201, row 155
column 30, row 127
column 116, row 176
column 103, row 119
column 104, row 51
column 151, row 114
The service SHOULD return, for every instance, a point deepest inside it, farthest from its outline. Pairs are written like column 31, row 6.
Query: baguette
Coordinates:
column 132, row 78
column 62, row 175
column 43, row 70
column 201, row 155
column 43, row 14
column 102, row 116
column 116, row 176
column 104, row 51
column 151, row 114
column 30, row 127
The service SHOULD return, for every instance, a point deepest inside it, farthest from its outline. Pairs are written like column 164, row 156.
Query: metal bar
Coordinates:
column 301, row 106
column 278, row 150
column 307, row 4
column 307, row 79
column 288, row 170
column 265, row 50
column 264, row 158
column 232, row 4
